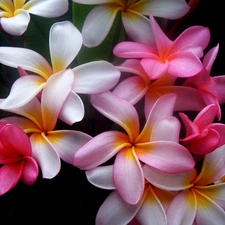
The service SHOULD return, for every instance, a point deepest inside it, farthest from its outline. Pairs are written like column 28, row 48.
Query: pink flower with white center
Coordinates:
column 180, row 58
column 139, row 85
column 65, row 42
column 17, row 163
column 203, row 135
column 133, row 14
column 114, row 210
column 14, row 14
column 38, row 120
column 155, row 145
column 200, row 199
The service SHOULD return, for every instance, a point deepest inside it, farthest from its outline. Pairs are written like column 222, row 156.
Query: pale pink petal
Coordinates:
column 137, row 27
column 65, row 42
column 22, row 91
column 26, row 59
column 17, row 24
column 54, row 95
column 30, row 171
column 154, row 67
column 192, row 36
column 99, row 149
column 98, row 24
column 162, row 130
column 115, row 210
column 210, row 58
column 208, row 213
column 50, row 8
column 101, row 177
column 45, row 155
column 185, row 213
column 213, row 167
column 128, row 49
column 119, row 111
column 66, row 143
column 170, row 182
column 161, row 155
column 95, row 77
column 128, row 176
column 9, row 176
column 131, row 89
column 184, row 64
column 72, row 110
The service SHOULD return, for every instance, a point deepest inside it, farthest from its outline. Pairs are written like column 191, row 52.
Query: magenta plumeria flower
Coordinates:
column 134, row 14
column 203, row 135
column 155, row 145
column 39, row 118
column 199, row 197
column 14, row 14
column 17, row 163
column 179, row 58
column 114, row 210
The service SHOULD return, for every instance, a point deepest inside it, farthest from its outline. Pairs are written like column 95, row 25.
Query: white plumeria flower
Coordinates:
column 134, row 15
column 14, row 14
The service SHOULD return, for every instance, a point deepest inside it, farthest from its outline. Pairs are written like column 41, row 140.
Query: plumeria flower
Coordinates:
column 17, row 163
column 115, row 211
column 38, row 119
column 155, row 145
column 203, row 135
column 65, row 42
column 14, row 14
column 199, row 198
column 139, row 85
column 212, row 88
column 179, row 58
column 134, row 15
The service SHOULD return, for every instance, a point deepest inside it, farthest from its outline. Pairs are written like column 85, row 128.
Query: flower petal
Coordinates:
column 66, row 143
column 128, row 176
column 17, row 24
column 99, row 149
column 95, row 77
column 45, row 155
column 65, row 42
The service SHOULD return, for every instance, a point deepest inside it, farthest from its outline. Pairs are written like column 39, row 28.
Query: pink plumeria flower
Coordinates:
column 203, row 135
column 17, row 163
column 65, row 42
column 38, row 119
column 133, row 14
column 200, row 199
column 179, row 58
column 155, row 145
column 139, row 85
column 212, row 88
column 14, row 14
column 114, row 210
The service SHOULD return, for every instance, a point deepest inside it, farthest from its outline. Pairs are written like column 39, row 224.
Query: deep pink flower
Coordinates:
column 15, row 157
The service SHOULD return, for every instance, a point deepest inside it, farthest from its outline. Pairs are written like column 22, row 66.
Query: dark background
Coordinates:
column 69, row 198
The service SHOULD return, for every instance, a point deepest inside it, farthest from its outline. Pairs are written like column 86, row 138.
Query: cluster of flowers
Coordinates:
column 164, row 158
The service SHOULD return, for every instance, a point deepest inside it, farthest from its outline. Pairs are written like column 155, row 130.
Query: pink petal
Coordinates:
column 115, row 211
column 99, row 149
column 210, row 58
column 119, row 111
column 128, row 176
column 66, row 143
column 65, row 42
column 17, row 24
column 101, row 177
column 102, row 74
column 30, row 171
column 185, row 213
column 45, row 155
column 161, row 155
column 22, row 91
